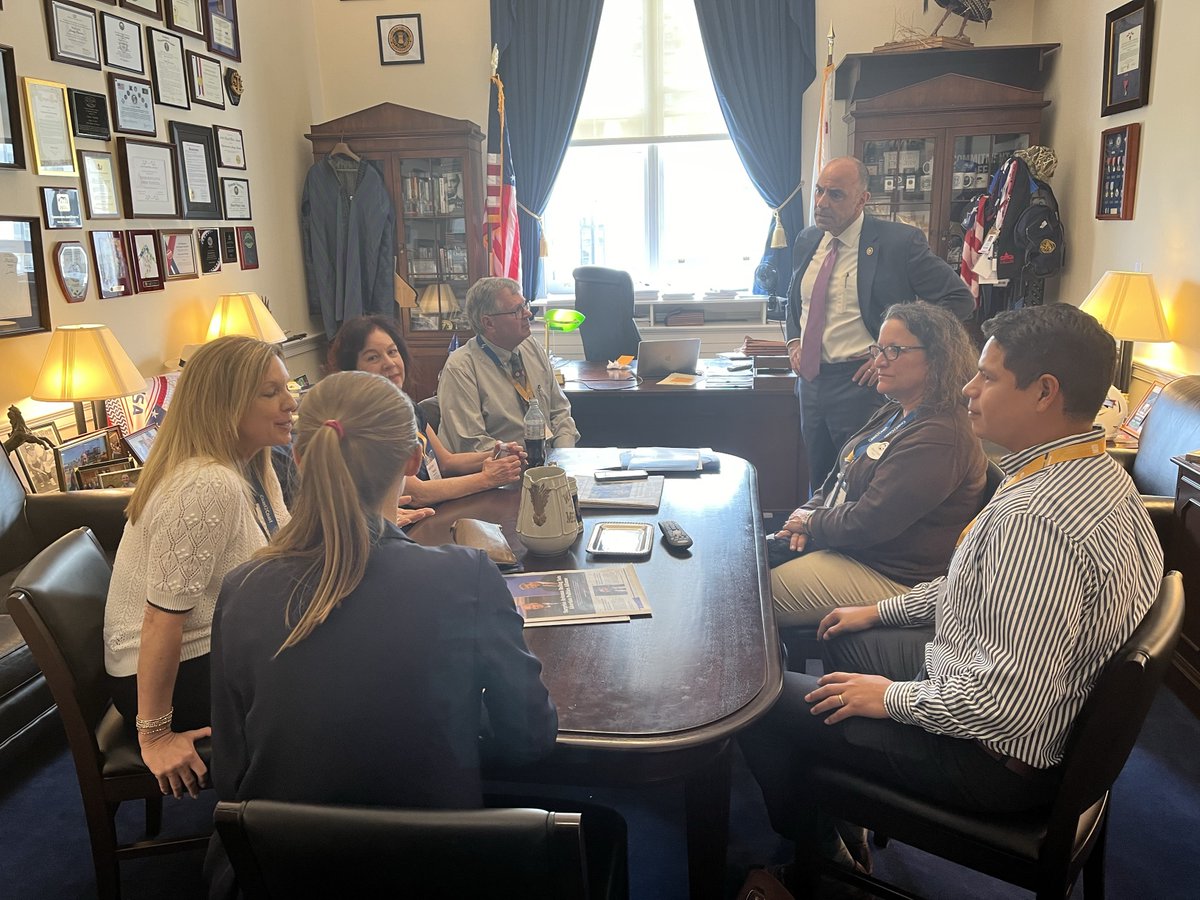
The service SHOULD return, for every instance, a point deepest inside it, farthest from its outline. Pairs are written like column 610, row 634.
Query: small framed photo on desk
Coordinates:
column 1132, row 425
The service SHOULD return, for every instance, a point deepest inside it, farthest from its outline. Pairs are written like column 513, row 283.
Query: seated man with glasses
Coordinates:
column 487, row 384
column 904, row 487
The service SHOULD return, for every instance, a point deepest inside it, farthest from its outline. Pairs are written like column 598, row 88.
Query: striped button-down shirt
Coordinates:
column 1056, row 573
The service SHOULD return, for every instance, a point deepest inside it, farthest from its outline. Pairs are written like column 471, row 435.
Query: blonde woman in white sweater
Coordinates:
column 208, row 498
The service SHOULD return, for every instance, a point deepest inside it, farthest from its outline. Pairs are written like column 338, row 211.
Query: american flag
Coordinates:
column 821, row 150
column 504, row 242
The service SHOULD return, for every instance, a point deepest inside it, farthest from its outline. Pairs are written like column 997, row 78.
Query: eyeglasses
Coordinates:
column 891, row 352
column 521, row 310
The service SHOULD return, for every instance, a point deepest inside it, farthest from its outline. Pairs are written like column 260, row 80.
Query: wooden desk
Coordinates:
column 658, row 698
column 761, row 425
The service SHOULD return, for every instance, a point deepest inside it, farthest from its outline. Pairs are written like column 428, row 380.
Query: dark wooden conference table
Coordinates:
column 657, row 698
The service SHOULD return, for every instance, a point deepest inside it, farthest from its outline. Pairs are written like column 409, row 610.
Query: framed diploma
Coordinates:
column 132, row 105
column 223, row 35
column 112, row 264
column 229, row 245
column 50, row 127
column 12, row 144
column 151, row 8
column 167, row 68
column 145, row 261
column 1127, row 33
column 178, row 254
column 204, row 80
column 196, row 170
column 71, row 267
column 236, row 194
column 248, row 246
column 231, row 153
column 60, row 208
column 89, row 115
column 122, row 44
column 99, row 184
column 208, row 241
column 24, row 308
column 72, row 32
column 186, row 17
column 148, row 179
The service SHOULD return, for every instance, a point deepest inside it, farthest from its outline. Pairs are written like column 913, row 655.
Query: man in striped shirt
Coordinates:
column 965, row 688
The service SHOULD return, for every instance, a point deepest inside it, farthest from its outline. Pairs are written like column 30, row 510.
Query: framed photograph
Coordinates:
column 204, row 80
column 1116, row 185
column 196, row 170
column 400, row 40
column 168, row 68
column 122, row 44
column 145, row 261
column 12, row 143
column 132, row 105
column 89, row 115
column 236, row 194
column 99, row 184
column 223, row 35
column 1127, row 37
column 248, row 247
column 231, row 153
column 73, row 33
column 1133, row 423
column 229, row 245
column 24, row 308
column 148, row 179
column 140, row 442
column 87, row 478
column 178, row 254
column 111, row 257
column 49, row 431
column 93, row 447
column 71, row 267
column 151, row 8
column 37, row 464
column 186, row 17
column 50, row 127
column 120, row 478
column 60, row 208
column 208, row 242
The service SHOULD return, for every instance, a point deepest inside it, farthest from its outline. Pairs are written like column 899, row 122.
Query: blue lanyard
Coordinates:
column 523, row 390
column 264, row 507
column 889, row 427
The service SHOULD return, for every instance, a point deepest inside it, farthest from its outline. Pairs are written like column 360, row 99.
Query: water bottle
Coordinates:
column 535, row 434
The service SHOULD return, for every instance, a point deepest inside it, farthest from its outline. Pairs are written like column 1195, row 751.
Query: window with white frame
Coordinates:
column 651, row 182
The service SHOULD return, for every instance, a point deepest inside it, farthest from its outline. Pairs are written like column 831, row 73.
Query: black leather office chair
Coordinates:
column 605, row 296
column 1040, row 850
column 286, row 850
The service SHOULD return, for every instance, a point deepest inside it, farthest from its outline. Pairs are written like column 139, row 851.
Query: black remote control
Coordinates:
column 675, row 536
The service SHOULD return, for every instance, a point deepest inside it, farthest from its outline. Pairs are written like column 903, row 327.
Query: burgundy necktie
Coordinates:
column 814, row 328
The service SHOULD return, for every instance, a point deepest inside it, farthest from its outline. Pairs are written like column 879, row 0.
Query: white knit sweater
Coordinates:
column 199, row 524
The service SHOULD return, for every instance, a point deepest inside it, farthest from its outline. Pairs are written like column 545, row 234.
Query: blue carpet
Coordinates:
column 44, row 850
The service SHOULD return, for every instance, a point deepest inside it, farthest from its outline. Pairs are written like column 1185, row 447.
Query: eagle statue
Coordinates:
column 970, row 10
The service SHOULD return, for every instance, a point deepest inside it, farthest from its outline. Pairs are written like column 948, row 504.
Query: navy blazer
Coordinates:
column 895, row 265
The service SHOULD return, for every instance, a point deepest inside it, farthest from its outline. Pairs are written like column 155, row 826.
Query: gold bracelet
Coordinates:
column 155, row 725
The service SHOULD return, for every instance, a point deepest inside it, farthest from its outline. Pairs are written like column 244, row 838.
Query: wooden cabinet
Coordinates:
column 1184, row 555
column 433, row 169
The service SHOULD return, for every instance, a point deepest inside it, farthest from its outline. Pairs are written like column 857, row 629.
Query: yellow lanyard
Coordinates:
column 1062, row 454
column 523, row 390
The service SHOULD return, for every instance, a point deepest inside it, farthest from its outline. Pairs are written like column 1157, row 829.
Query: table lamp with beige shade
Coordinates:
column 241, row 313
column 438, row 300
column 82, row 363
column 1127, row 305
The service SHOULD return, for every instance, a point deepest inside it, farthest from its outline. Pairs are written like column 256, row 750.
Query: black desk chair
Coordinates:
column 285, row 850
column 1040, row 850
column 58, row 603
column 605, row 296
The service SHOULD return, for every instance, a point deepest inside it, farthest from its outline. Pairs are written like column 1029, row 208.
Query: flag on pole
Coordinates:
column 821, row 150
column 504, row 240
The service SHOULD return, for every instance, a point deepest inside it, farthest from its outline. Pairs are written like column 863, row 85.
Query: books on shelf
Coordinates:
column 578, row 596
column 644, row 494
column 677, row 295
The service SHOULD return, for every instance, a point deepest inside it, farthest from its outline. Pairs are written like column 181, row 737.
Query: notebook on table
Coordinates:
column 656, row 358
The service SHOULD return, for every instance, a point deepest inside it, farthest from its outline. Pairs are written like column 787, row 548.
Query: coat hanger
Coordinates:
column 341, row 148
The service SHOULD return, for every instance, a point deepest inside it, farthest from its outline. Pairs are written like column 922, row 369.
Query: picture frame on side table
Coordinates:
column 231, row 149
column 71, row 267
column 400, row 40
column 12, row 142
column 89, row 115
column 111, row 256
column 73, row 32
column 148, row 179
column 99, row 178
column 122, row 40
column 1116, row 185
column 93, row 447
column 186, row 17
column 1128, row 33
column 204, row 80
column 132, row 105
column 140, row 442
column 247, row 247
column 196, row 170
column 1133, row 423
column 120, row 478
column 179, row 258
column 24, row 303
column 145, row 261
column 38, row 467
column 60, row 208
column 49, row 119
column 168, row 68
column 235, row 192
column 224, row 36
column 208, row 245
column 151, row 8
column 229, row 245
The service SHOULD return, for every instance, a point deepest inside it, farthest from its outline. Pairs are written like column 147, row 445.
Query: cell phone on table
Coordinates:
column 620, row 474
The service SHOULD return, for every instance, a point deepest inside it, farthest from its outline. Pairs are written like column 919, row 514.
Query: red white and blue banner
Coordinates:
column 504, row 240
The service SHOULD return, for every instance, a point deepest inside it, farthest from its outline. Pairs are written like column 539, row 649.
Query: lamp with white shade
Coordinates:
column 1127, row 305
column 244, row 313
column 82, row 363
column 438, row 300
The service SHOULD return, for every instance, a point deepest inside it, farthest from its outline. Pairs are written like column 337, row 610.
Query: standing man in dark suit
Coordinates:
column 850, row 267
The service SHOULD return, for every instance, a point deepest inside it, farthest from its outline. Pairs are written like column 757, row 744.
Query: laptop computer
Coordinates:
column 662, row 358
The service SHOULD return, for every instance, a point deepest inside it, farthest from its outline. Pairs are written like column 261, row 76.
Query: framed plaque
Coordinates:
column 1116, row 184
column 208, row 241
column 12, row 144
column 113, row 277
column 196, row 170
column 71, row 267
column 186, row 17
column 50, row 127
column 178, row 254
column 236, row 195
column 400, row 40
column 145, row 261
column 24, row 308
column 231, row 152
column 132, row 105
column 1127, row 33
column 168, row 69
column 148, row 179
column 229, row 245
column 223, row 35
column 99, row 184
column 248, row 246
column 72, row 31
column 89, row 115
column 151, row 8
column 122, row 44
column 204, row 80
column 60, row 208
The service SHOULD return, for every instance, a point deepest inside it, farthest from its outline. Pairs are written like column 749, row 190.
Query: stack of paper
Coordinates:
column 643, row 494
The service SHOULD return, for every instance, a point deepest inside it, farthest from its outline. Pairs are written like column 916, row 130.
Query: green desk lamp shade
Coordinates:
column 561, row 320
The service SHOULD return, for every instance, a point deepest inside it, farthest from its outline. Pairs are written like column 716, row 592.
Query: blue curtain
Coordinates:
column 762, row 56
column 545, row 51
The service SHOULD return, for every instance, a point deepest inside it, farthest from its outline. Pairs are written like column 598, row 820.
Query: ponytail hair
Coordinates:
column 355, row 435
